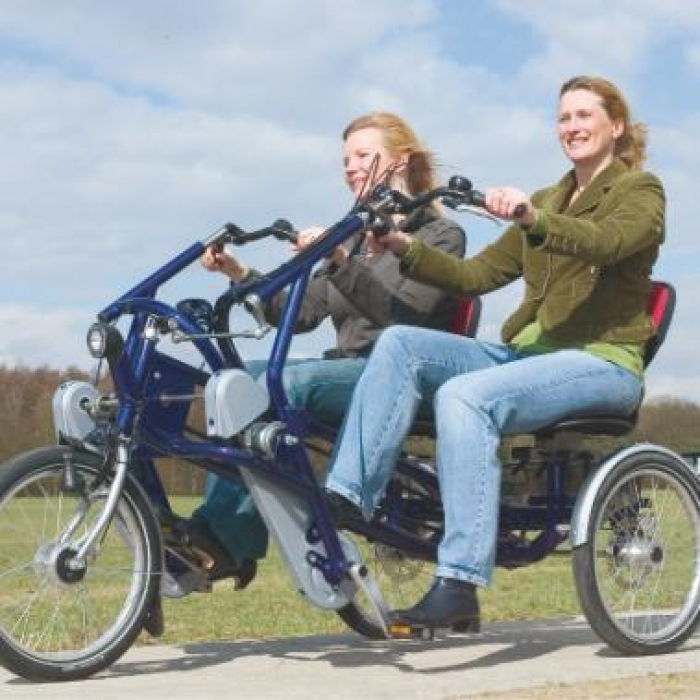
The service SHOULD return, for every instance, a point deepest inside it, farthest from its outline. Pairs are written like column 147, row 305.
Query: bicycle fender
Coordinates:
column 580, row 518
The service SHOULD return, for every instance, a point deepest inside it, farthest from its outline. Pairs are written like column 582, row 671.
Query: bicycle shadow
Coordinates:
column 500, row 644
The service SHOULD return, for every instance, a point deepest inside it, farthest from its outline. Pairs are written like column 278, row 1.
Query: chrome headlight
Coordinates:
column 104, row 340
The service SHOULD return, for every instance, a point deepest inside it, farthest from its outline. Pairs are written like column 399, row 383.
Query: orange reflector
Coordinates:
column 400, row 630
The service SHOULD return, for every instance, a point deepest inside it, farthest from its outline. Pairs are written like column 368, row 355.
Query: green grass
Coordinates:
column 271, row 607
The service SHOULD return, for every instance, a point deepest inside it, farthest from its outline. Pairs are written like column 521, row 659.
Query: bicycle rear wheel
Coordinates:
column 638, row 573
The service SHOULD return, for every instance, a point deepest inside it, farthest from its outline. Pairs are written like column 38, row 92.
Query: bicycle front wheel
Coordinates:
column 56, row 622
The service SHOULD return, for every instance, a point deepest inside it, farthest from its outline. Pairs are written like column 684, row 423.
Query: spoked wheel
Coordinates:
column 638, row 574
column 58, row 622
column 413, row 503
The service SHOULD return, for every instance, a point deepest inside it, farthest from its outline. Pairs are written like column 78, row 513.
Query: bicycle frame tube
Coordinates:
column 138, row 362
column 147, row 288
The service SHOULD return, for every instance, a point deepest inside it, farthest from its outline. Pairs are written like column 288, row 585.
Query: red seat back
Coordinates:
column 662, row 304
column 465, row 318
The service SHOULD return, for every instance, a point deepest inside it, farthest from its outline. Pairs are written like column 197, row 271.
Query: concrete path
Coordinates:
column 505, row 656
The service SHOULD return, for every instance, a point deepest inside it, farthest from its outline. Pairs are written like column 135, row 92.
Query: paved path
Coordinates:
column 505, row 656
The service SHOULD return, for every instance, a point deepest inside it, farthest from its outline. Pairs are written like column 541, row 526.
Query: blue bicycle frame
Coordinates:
column 155, row 391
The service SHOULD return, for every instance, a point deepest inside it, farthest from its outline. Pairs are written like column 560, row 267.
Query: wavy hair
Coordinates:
column 631, row 146
column 399, row 139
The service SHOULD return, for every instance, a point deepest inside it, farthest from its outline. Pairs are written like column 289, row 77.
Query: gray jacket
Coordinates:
column 368, row 293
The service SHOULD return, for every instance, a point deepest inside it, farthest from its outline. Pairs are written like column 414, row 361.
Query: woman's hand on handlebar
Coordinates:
column 395, row 240
column 309, row 235
column 510, row 204
column 215, row 259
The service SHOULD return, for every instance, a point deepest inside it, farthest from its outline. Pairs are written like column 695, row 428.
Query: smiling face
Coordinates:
column 586, row 131
column 360, row 150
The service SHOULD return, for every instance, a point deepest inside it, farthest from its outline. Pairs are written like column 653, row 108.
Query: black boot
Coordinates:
column 448, row 603
column 196, row 543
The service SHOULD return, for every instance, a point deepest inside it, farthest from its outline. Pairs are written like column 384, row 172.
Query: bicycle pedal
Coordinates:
column 400, row 629
column 406, row 630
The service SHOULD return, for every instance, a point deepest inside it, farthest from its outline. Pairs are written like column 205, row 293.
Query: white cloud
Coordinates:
column 131, row 131
column 617, row 39
column 34, row 336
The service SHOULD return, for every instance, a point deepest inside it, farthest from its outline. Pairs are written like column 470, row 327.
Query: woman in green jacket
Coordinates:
column 584, row 249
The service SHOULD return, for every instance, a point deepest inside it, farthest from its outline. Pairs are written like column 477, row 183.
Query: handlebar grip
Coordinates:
column 477, row 199
column 283, row 229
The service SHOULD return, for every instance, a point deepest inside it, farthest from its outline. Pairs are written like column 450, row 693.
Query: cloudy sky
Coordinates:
column 130, row 129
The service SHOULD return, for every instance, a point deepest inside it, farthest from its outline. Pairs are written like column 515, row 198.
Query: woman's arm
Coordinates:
column 631, row 218
column 383, row 295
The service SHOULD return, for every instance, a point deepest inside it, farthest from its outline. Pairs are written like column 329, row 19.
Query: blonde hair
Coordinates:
column 399, row 139
column 631, row 146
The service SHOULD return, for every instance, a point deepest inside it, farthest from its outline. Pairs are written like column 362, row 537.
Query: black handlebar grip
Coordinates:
column 477, row 199
column 283, row 229
column 234, row 232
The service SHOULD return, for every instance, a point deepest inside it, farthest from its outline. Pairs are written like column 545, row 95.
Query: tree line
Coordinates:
column 26, row 422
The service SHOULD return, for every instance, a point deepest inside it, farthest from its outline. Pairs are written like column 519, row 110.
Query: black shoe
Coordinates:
column 193, row 540
column 154, row 622
column 344, row 513
column 448, row 603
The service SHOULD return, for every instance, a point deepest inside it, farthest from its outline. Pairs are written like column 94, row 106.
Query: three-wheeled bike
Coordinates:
column 83, row 555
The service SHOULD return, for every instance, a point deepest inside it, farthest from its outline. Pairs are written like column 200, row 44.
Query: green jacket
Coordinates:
column 586, row 267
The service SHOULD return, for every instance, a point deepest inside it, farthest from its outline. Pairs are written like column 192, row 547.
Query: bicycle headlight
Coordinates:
column 104, row 340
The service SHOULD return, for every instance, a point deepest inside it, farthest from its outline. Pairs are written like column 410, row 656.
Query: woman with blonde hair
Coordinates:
column 584, row 248
column 362, row 291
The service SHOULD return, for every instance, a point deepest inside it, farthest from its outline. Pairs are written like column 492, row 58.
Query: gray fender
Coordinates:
column 580, row 518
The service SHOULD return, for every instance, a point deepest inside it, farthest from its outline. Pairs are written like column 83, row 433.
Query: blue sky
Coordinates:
column 131, row 129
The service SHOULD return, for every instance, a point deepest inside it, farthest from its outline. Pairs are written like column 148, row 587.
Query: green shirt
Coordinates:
column 629, row 356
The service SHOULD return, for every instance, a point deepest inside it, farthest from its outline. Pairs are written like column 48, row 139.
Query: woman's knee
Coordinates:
column 463, row 391
column 399, row 340
column 297, row 381
column 391, row 336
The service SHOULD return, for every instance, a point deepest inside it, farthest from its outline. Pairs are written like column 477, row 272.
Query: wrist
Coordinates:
column 535, row 231
column 339, row 256
column 237, row 272
column 399, row 243
column 410, row 255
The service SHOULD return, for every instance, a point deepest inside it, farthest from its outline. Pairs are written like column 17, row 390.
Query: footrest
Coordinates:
column 405, row 630
column 399, row 629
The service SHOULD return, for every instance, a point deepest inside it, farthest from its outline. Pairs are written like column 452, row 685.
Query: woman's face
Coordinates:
column 365, row 156
column 586, row 132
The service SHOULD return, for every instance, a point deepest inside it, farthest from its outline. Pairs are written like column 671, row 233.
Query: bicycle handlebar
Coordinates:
column 280, row 229
column 458, row 192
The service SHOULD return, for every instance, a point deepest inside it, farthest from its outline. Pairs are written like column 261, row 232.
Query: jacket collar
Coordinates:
column 596, row 190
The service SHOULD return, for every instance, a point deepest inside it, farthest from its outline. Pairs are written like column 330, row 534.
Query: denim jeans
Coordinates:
column 480, row 391
column 324, row 388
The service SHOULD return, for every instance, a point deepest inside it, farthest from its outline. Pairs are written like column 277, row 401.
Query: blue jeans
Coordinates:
column 480, row 391
column 322, row 387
